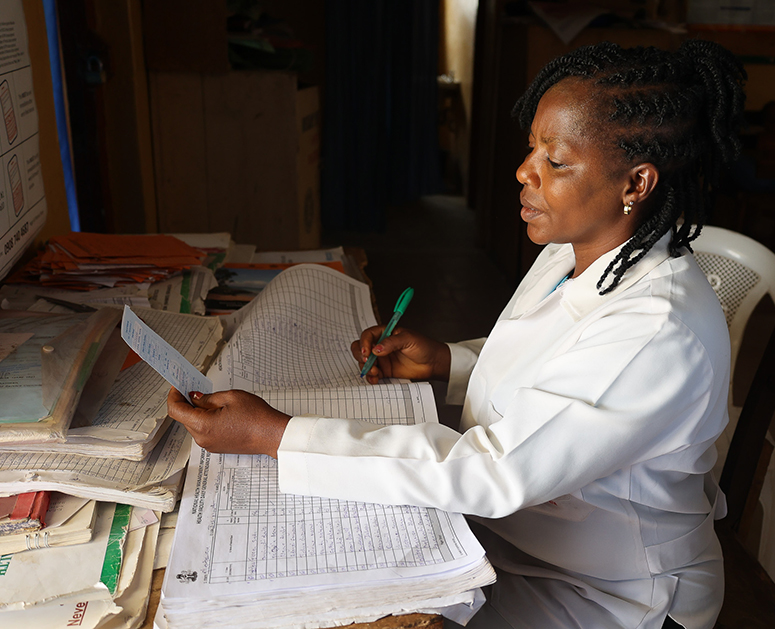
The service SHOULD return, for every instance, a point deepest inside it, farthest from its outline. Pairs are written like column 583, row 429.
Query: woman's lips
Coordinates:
column 529, row 213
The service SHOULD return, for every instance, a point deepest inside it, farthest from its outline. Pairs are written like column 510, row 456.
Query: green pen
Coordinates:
column 401, row 304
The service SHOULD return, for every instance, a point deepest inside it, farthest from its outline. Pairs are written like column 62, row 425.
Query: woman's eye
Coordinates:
column 554, row 164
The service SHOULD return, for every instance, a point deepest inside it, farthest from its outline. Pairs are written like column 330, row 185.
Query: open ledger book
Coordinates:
column 245, row 551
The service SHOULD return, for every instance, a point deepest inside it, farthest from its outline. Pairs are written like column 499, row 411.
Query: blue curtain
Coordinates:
column 380, row 132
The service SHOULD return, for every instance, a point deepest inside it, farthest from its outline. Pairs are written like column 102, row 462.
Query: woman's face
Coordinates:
column 573, row 192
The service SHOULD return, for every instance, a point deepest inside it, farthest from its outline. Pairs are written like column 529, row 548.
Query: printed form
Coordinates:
column 273, row 559
column 297, row 333
column 169, row 363
column 241, row 534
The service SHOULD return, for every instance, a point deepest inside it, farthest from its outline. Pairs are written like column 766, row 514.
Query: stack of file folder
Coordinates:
column 84, row 261
column 65, row 520
column 84, row 426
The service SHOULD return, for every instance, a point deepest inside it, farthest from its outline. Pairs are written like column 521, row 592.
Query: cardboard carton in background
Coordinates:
column 237, row 152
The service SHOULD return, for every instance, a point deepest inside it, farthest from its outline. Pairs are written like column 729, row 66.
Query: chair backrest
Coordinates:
column 741, row 272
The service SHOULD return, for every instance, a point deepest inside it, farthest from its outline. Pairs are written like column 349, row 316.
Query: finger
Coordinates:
column 369, row 337
column 374, row 375
column 175, row 396
column 393, row 343
column 355, row 348
column 179, row 409
column 210, row 401
column 176, row 402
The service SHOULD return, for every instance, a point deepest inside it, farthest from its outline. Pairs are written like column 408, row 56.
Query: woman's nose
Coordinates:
column 526, row 174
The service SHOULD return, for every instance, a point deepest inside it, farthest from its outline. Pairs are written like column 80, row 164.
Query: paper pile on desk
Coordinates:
column 101, row 584
column 128, row 418
column 267, row 559
column 69, row 521
column 84, row 261
column 129, row 451
column 243, row 549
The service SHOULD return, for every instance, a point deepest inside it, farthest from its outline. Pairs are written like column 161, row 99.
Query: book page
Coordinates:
column 297, row 333
column 237, row 533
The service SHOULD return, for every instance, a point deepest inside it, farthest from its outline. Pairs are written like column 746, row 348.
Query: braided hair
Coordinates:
column 680, row 111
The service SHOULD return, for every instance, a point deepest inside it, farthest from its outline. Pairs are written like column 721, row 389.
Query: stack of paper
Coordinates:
column 83, row 261
column 153, row 482
column 243, row 549
column 101, row 584
column 126, row 415
column 129, row 451
column 69, row 520
column 246, row 551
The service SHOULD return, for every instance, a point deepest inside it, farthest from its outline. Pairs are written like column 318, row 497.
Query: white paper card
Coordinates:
column 165, row 359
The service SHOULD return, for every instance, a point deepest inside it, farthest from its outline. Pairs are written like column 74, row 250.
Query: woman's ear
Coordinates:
column 643, row 181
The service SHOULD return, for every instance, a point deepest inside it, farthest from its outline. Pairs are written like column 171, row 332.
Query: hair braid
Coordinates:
column 681, row 111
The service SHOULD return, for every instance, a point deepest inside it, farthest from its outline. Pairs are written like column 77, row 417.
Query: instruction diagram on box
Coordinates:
column 22, row 198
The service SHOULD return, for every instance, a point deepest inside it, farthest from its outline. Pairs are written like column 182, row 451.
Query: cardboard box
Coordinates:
column 237, row 152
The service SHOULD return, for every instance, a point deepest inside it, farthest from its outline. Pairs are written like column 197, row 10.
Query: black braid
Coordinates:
column 681, row 111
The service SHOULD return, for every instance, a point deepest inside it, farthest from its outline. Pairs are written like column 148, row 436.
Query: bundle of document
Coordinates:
column 68, row 520
column 84, row 261
column 124, row 414
column 246, row 551
column 128, row 450
column 23, row 513
column 102, row 583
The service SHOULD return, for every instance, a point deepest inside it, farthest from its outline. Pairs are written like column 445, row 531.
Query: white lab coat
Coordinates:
column 585, row 447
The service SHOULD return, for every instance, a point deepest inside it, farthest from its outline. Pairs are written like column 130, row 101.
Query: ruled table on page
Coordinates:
column 298, row 335
column 285, row 535
column 239, row 528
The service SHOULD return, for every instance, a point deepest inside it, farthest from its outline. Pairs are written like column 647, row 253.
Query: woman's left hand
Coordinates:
column 230, row 422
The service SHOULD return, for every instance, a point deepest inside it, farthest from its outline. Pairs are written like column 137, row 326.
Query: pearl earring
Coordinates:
column 628, row 207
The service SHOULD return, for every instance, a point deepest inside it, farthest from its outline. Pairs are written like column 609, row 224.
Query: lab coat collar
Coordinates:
column 582, row 296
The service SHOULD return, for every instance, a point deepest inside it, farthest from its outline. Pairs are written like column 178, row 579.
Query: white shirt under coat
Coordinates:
column 586, row 438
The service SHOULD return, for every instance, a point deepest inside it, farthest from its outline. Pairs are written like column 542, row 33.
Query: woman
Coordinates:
column 591, row 410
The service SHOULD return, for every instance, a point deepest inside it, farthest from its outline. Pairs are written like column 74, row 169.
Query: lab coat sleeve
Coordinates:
column 621, row 394
column 464, row 356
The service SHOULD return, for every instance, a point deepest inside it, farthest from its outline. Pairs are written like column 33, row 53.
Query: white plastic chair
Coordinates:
column 741, row 272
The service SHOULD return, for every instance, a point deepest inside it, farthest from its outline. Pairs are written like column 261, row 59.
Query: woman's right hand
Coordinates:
column 404, row 354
